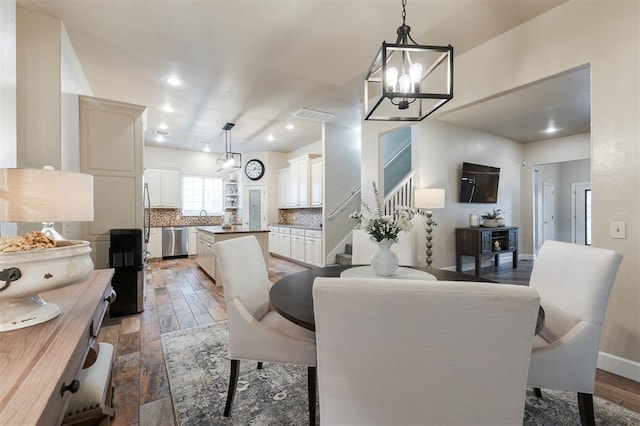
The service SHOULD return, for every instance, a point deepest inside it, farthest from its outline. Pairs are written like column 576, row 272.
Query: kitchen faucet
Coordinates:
column 205, row 213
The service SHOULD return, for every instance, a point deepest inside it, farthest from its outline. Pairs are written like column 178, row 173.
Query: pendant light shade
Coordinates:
column 229, row 161
column 408, row 81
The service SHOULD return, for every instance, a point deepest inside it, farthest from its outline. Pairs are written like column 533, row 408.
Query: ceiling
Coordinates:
column 256, row 62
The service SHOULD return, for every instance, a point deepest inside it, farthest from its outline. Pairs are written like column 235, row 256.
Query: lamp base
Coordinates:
column 25, row 312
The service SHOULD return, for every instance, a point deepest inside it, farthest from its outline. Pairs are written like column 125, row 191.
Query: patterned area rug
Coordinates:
column 198, row 371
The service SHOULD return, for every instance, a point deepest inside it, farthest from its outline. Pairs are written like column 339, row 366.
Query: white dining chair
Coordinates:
column 256, row 332
column 408, row 352
column 574, row 283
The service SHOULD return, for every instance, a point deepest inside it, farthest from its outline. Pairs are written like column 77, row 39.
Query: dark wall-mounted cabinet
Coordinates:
column 483, row 242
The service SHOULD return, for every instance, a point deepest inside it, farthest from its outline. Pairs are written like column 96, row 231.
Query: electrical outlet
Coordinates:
column 617, row 230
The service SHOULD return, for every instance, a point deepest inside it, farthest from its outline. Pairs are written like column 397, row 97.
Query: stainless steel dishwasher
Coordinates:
column 175, row 241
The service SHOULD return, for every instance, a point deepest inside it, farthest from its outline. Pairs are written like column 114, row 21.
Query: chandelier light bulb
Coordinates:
column 228, row 163
column 416, row 73
column 405, row 83
column 392, row 79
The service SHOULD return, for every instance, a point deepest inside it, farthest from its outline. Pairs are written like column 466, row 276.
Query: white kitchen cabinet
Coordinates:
column 193, row 240
column 294, row 183
column 274, row 236
column 205, row 258
column 112, row 150
column 231, row 195
column 154, row 246
column 164, row 188
column 283, row 183
column 284, row 242
column 297, row 244
column 313, row 254
column 316, row 182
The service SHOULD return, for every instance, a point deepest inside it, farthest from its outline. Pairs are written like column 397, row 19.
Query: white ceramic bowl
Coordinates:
column 41, row 270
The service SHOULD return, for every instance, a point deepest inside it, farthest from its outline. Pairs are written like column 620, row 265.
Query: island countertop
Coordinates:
column 235, row 229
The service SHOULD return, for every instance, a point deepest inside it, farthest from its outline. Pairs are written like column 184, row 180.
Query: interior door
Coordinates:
column 548, row 211
column 256, row 209
column 581, row 213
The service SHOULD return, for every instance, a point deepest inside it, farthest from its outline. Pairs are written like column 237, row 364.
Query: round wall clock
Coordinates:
column 254, row 169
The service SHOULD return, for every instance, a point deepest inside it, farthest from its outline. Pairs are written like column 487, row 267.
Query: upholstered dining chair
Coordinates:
column 363, row 248
column 256, row 332
column 574, row 282
column 405, row 352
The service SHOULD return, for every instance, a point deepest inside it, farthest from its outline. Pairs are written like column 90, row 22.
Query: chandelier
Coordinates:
column 408, row 81
column 229, row 161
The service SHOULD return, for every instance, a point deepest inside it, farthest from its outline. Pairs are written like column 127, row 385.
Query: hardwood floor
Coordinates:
column 181, row 296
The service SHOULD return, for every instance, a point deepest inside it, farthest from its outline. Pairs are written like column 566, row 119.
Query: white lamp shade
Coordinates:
column 38, row 195
column 429, row 198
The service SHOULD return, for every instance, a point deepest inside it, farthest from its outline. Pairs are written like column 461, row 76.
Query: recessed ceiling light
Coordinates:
column 174, row 81
column 162, row 132
column 551, row 129
column 168, row 108
column 163, row 126
column 290, row 127
column 270, row 138
column 160, row 138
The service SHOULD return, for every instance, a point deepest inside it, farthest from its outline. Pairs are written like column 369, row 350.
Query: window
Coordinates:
column 202, row 193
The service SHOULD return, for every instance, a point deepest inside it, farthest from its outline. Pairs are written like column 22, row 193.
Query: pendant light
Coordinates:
column 229, row 161
column 408, row 81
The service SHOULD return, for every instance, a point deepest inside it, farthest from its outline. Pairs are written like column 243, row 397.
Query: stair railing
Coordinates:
column 401, row 195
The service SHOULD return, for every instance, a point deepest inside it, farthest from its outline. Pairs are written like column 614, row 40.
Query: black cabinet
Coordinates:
column 483, row 242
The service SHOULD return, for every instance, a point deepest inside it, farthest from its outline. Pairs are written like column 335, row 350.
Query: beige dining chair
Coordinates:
column 256, row 332
column 574, row 283
column 409, row 352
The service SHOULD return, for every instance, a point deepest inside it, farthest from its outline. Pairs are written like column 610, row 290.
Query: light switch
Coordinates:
column 617, row 230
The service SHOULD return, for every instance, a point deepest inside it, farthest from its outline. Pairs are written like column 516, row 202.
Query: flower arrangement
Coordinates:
column 495, row 214
column 381, row 226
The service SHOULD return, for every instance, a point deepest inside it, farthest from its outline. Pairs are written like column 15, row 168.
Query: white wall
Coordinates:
column 439, row 149
column 570, row 172
column 8, row 142
column 604, row 35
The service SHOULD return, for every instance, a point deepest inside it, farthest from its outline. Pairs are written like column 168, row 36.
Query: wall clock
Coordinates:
column 254, row 169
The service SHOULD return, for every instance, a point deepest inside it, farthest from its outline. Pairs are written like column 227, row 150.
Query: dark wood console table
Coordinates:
column 482, row 242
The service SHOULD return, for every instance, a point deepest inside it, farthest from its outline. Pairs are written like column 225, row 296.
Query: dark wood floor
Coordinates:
column 181, row 296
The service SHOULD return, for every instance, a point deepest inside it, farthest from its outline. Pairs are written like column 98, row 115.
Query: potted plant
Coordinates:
column 493, row 218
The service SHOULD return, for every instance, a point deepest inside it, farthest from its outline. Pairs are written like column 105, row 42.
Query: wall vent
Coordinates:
column 313, row 115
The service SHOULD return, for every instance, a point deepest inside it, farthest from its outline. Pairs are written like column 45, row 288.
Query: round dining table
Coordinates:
column 292, row 296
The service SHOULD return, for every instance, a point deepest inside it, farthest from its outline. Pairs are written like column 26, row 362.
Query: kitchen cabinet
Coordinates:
column 316, row 182
column 205, row 258
column 297, row 245
column 294, row 183
column 283, row 188
column 231, row 195
column 193, row 241
column 154, row 246
column 313, row 254
column 164, row 188
column 112, row 150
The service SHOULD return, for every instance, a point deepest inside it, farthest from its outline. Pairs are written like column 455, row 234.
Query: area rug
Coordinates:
column 198, row 371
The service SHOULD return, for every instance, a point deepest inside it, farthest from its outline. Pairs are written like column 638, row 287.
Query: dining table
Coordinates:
column 292, row 296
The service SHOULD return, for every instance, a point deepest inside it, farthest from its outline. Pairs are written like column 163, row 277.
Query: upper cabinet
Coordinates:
column 316, row 182
column 164, row 188
column 295, row 187
column 231, row 195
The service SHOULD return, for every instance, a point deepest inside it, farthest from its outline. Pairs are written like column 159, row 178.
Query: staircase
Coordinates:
column 345, row 258
column 400, row 196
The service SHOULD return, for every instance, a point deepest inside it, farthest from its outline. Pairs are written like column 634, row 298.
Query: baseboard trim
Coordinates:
column 620, row 366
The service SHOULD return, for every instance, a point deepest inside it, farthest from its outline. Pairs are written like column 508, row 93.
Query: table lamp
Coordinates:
column 427, row 199
column 41, row 195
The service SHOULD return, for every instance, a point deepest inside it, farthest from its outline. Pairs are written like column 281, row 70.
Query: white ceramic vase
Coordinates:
column 384, row 261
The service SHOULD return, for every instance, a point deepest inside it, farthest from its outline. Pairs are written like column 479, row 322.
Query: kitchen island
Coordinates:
column 209, row 235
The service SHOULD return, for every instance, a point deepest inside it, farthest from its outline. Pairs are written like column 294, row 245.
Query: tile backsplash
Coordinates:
column 311, row 218
column 174, row 217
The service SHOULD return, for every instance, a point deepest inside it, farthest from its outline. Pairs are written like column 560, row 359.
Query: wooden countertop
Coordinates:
column 235, row 229
column 34, row 361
